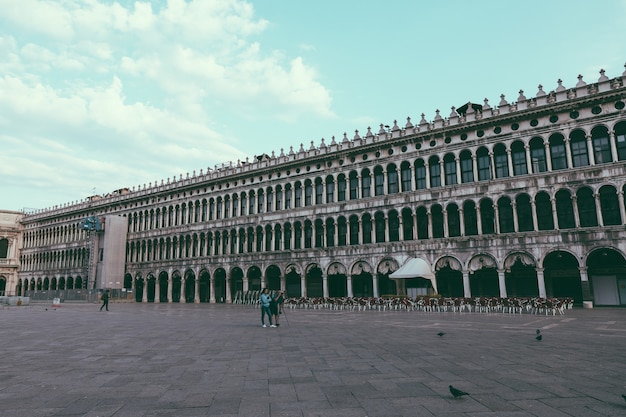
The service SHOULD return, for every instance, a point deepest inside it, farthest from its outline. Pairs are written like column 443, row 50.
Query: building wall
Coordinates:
column 10, row 242
column 518, row 199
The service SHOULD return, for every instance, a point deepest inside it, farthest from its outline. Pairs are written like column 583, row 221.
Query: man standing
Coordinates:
column 265, row 307
column 105, row 300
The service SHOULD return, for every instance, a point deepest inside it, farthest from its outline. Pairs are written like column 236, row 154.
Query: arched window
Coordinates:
column 437, row 220
column 308, row 193
column 319, row 233
column 557, row 152
column 407, row 224
column 420, row 174
column 467, row 167
column 518, row 155
column 405, row 174
column 366, row 224
column 354, row 230
column 287, row 235
column 524, row 213
column 435, row 171
column 341, row 187
column 449, row 167
column 565, row 210
column 330, row 189
column 366, row 183
column 609, row 205
column 379, row 181
column 487, row 216
column 288, row 196
column 354, row 185
column 298, row 195
column 484, row 164
column 297, row 230
column 394, row 226
column 586, row 207
column 319, row 191
column 578, row 145
column 454, row 220
column 505, row 211
column 4, row 248
column 226, row 206
column 543, row 207
column 269, row 198
column 379, row 219
column 330, row 232
column 422, row 222
column 538, row 155
column 251, row 202
column 279, row 197
column 601, row 145
column 308, row 234
column 244, row 204
column 392, row 179
column 261, row 202
column 470, row 218
column 269, row 236
column 342, row 231
column 501, row 161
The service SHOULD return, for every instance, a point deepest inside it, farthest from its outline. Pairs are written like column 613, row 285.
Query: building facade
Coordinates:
column 10, row 243
column 525, row 198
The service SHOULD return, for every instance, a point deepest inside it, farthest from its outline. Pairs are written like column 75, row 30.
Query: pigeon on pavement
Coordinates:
column 457, row 392
column 539, row 337
column 440, row 334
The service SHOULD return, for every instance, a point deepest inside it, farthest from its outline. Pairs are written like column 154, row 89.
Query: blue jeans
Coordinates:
column 264, row 311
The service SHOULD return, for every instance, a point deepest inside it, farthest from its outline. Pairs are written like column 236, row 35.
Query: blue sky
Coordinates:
column 98, row 95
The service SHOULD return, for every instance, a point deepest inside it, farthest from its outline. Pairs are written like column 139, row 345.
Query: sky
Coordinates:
column 98, row 95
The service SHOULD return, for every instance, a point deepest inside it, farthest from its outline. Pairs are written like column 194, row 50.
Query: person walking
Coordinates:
column 265, row 307
column 105, row 300
column 276, row 305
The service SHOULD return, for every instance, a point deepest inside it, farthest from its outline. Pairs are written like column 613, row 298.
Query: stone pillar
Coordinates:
column 515, row 218
column 467, row 292
column 157, row 290
column 303, row 285
column 568, row 153
column 614, row 155
column 228, row 295
column 349, row 285
column 529, row 161
column 541, row 283
column 169, row 287
column 462, row 221
column 375, row 284
column 599, row 217
column 324, row 284
column 509, row 161
column 546, row 146
column 592, row 156
column 212, row 289
column 555, row 217
column 502, row 283
column 144, row 297
column 575, row 208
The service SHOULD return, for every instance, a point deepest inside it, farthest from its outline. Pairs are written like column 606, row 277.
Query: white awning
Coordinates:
column 415, row 268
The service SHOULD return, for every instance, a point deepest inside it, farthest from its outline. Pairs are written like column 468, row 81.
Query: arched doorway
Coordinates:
column 163, row 284
column 176, row 286
column 190, row 286
column 337, row 280
column 219, row 280
column 521, row 276
column 449, row 277
column 606, row 269
column 151, row 286
column 562, row 276
column 293, row 287
column 204, row 287
column 236, row 282
column 272, row 274
column 254, row 278
column 138, row 288
column 313, row 279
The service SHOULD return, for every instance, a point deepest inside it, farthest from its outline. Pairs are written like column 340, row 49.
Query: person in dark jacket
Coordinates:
column 105, row 300
column 276, row 305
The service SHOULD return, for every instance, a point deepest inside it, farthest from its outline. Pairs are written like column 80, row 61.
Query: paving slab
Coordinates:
column 158, row 360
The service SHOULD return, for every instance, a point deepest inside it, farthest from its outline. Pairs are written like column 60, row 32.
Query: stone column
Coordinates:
column 169, row 287
column 375, row 284
column 529, row 161
column 303, row 285
column 592, row 156
column 502, row 283
column 555, row 217
column 614, row 154
column 541, row 283
column 212, row 289
column 157, row 290
column 546, row 146
column 349, row 285
column 467, row 292
column 228, row 295
column 324, row 284
column 599, row 217
column 568, row 153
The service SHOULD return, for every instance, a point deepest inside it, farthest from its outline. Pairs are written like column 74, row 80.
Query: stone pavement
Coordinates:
column 183, row 360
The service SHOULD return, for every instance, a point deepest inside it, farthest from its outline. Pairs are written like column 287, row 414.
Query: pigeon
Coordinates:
column 440, row 334
column 457, row 392
column 539, row 337
column 624, row 397
column 538, row 331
